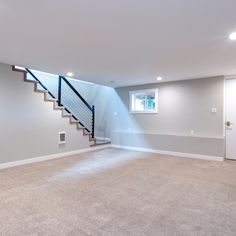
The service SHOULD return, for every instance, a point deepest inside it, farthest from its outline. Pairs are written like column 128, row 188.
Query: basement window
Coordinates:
column 144, row 101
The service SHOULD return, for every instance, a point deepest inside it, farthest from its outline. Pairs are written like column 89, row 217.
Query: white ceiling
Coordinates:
column 126, row 41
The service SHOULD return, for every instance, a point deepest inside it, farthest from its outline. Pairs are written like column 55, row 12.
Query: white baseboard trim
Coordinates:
column 50, row 157
column 170, row 153
column 71, row 153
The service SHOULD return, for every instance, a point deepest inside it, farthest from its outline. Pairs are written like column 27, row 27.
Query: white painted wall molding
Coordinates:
column 166, row 134
column 50, row 157
column 170, row 153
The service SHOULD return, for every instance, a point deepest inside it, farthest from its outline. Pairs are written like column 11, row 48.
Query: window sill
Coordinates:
column 143, row 112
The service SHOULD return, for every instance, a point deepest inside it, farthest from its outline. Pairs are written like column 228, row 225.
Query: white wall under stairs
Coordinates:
column 29, row 125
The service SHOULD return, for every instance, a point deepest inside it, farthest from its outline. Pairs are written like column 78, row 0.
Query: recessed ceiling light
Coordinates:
column 70, row 74
column 232, row 36
column 159, row 78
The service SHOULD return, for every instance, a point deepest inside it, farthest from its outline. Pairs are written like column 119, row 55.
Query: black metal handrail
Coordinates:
column 76, row 92
column 92, row 109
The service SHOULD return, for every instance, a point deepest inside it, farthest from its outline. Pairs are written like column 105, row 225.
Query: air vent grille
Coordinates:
column 62, row 137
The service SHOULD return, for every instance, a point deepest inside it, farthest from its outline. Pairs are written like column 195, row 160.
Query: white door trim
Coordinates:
column 229, row 77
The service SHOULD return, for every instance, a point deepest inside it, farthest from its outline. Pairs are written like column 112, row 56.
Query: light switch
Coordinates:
column 213, row 109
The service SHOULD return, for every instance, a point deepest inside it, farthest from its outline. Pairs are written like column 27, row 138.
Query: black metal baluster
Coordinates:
column 59, row 91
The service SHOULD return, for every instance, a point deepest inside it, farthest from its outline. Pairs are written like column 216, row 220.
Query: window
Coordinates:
column 144, row 101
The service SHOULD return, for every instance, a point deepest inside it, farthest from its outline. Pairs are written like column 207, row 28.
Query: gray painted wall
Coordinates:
column 183, row 106
column 29, row 126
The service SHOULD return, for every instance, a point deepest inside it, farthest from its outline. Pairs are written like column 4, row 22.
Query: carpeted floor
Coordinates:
column 117, row 192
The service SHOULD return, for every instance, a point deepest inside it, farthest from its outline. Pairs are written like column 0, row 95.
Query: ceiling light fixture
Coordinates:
column 232, row 36
column 159, row 78
column 70, row 74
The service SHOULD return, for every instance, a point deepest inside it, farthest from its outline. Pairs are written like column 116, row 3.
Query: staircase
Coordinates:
column 59, row 91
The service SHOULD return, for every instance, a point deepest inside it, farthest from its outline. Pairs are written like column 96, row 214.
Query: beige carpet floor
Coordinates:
column 118, row 192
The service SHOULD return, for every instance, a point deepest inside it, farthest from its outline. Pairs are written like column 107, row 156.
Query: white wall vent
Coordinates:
column 62, row 137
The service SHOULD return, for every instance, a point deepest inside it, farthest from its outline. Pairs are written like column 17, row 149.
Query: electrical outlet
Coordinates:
column 192, row 132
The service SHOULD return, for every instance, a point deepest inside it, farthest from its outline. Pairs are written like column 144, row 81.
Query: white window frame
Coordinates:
column 131, row 97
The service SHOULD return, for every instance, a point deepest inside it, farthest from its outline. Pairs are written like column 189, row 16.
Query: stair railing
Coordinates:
column 73, row 102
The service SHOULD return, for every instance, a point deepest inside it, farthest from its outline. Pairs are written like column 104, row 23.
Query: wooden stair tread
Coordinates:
column 59, row 108
column 100, row 143
column 50, row 100
column 31, row 81
column 74, row 121
column 41, row 91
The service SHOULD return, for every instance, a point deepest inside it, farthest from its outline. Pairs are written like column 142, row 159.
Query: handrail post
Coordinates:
column 59, row 91
column 93, row 120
